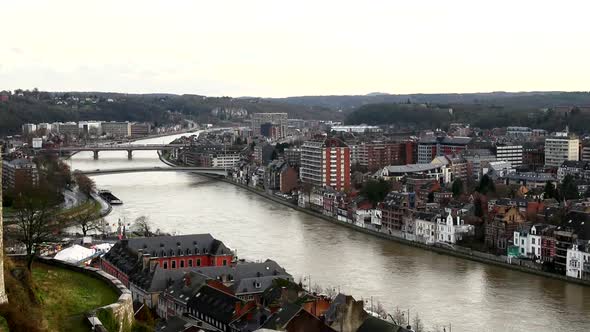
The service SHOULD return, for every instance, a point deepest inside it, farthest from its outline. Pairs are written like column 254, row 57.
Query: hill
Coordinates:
column 37, row 106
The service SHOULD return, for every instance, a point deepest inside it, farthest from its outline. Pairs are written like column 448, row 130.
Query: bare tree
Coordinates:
column 36, row 221
column 398, row 317
column 88, row 220
column 330, row 292
column 418, row 326
column 143, row 225
column 380, row 310
column 316, row 289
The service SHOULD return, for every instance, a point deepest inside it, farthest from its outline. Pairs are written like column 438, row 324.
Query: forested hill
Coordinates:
column 38, row 106
column 482, row 115
column 508, row 99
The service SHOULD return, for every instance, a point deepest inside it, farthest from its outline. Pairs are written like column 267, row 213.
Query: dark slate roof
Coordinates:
column 179, row 324
column 214, row 303
column 178, row 245
column 449, row 140
column 579, row 223
column 282, row 317
column 247, row 277
column 373, row 324
column 186, row 287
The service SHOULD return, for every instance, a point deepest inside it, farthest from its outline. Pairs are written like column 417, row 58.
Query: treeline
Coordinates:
column 40, row 106
column 486, row 116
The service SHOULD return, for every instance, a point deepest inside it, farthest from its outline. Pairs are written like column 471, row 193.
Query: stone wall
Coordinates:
column 122, row 309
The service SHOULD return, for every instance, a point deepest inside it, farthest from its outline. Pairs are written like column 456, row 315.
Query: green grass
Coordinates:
column 66, row 296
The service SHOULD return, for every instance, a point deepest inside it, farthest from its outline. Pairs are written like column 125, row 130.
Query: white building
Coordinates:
column 356, row 129
column 225, row 160
column 451, row 228
column 560, row 148
column 29, row 128
column 425, row 229
column 511, row 153
column 528, row 243
column 577, row 263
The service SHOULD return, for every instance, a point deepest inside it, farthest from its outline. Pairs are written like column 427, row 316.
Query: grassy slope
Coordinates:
column 66, row 295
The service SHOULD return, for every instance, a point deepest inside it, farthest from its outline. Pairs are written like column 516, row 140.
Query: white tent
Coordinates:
column 74, row 254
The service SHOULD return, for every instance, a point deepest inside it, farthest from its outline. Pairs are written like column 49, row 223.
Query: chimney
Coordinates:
column 238, row 308
column 145, row 258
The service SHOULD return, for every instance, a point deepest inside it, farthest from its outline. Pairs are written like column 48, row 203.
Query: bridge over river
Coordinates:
column 198, row 170
column 115, row 147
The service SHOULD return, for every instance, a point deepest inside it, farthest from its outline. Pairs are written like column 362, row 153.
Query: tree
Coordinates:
column 35, row 222
column 375, row 191
column 457, row 188
column 88, row 220
column 418, row 326
column 550, row 191
column 398, row 317
column 486, row 185
column 568, row 189
column 85, row 184
column 143, row 225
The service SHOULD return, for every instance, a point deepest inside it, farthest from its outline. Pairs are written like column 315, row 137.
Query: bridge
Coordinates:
column 116, row 147
column 198, row 170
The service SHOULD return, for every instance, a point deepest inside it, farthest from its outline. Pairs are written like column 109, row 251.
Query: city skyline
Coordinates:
column 269, row 49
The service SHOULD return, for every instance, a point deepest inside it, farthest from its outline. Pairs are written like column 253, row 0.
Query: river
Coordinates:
column 442, row 289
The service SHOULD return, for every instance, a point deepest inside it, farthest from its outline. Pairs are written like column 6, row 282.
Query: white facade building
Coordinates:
column 560, row 148
column 528, row 243
column 510, row 153
column 451, row 229
column 425, row 230
column 577, row 263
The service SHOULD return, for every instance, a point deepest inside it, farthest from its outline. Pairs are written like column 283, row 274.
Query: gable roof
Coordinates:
column 214, row 303
column 205, row 243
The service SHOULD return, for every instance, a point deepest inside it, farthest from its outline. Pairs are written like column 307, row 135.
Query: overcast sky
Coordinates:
column 286, row 48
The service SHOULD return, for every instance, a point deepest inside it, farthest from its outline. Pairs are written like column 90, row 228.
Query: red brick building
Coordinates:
column 326, row 163
column 129, row 257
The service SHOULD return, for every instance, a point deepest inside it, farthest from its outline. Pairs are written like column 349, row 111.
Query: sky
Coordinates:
column 289, row 48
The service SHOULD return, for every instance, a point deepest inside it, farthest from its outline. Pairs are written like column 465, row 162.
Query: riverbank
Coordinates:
column 463, row 253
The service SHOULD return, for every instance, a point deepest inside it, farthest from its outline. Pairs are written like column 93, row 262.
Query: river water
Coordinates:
column 441, row 289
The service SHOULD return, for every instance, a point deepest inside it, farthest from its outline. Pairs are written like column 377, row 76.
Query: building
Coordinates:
column 578, row 262
column 273, row 123
column 376, row 155
column 18, row 174
column 293, row 156
column 530, row 180
column 561, row 148
column 116, row 129
column 29, row 128
column 500, row 230
column 263, row 153
column 69, row 129
column 518, row 132
column 140, row 129
column 430, row 147
column 511, row 153
column 451, row 228
column 139, row 262
column 579, row 170
column 394, row 207
column 3, row 297
column 325, row 163
column 476, row 160
column 358, row 129
column 425, row 227
column 586, row 151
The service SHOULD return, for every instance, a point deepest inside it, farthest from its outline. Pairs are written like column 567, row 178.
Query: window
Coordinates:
column 198, row 262
column 224, row 262
column 173, row 264
column 165, row 265
column 182, row 263
column 533, row 240
column 190, row 262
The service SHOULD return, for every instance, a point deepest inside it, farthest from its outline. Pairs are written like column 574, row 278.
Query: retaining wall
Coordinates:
column 122, row 309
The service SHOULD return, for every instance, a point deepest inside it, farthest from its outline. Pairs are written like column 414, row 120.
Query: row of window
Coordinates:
column 189, row 262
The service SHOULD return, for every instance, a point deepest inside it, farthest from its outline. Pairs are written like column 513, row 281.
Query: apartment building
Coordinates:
column 326, row 163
